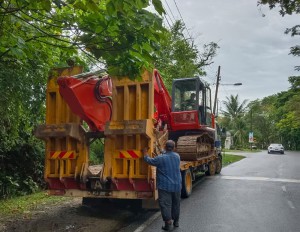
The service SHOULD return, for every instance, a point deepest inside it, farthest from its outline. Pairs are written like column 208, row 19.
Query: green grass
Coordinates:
column 243, row 150
column 26, row 203
column 229, row 158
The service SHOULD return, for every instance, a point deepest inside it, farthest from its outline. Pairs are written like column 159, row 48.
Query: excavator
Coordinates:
column 191, row 126
column 128, row 115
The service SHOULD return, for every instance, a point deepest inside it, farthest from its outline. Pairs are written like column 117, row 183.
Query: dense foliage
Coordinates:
column 273, row 119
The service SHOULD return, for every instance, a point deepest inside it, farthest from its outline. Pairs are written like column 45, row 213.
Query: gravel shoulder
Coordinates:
column 71, row 215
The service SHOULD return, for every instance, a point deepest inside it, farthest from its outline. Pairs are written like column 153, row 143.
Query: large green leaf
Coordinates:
column 158, row 6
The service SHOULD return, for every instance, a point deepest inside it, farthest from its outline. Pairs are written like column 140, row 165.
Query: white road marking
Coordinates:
column 283, row 188
column 257, row 178
column 291, row 205
column 147, row 223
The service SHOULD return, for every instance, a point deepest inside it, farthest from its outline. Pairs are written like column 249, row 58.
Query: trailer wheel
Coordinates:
column 218, row 164
column 186, row 190
column 211, row 169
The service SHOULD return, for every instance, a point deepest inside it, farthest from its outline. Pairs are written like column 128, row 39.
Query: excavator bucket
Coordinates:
column 89, row 98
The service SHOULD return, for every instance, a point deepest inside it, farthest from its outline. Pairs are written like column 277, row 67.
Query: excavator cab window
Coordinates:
column 191, row 94
column 207, row 110
column 185, row 95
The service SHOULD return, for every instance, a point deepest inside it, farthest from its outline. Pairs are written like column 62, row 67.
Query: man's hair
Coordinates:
column 170, row 145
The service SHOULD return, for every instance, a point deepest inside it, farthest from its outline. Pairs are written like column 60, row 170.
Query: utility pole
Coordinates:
column 251, row 126
column 217, row 88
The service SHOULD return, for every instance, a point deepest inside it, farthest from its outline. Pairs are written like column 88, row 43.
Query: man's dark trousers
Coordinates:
column 169, row 203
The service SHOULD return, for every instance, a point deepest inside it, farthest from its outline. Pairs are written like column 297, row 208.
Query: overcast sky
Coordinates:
column 253, row 49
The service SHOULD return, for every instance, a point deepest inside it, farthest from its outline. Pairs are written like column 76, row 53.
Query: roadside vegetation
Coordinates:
column 273, row 119
column 21, row 204
column 229, row 158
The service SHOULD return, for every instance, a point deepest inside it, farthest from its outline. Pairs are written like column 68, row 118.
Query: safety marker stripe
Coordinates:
column 128, row 154
column 62, row 155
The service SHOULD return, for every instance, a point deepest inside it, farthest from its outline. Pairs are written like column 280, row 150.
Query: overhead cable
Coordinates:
column 182, row 20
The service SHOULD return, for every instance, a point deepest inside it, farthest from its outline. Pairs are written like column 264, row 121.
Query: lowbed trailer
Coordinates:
column 131, row 127
column 190, row 168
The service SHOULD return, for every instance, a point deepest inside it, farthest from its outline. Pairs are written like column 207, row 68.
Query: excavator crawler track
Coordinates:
column 195, row 147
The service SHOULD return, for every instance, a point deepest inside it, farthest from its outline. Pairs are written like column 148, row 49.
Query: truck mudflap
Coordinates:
column 139, row 185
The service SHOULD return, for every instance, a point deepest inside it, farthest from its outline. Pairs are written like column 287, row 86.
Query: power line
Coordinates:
column 182, row 20
column 170, row 10
column 165, row 16
column 168, row 22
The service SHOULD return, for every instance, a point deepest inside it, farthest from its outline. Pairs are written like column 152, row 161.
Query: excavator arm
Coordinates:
column 162, row 100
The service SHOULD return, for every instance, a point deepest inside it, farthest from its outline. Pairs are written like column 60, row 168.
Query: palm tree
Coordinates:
column 240, row 130
column 233, row 108
column 234, row 111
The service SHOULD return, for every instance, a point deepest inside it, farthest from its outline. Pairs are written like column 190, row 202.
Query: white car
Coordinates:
column 276, row 147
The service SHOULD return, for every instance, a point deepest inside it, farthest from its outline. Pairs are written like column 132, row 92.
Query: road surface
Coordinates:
column 260, row 193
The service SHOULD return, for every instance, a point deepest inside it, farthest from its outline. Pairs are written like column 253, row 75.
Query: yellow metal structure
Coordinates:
column 130, row 129
column 66, row 151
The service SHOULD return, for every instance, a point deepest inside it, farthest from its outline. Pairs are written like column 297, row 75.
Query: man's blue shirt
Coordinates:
column 168, row 176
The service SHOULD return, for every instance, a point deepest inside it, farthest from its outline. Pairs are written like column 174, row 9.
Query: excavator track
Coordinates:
column 195, row 147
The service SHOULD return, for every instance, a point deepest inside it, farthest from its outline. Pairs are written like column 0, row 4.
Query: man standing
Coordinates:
column 168, row 179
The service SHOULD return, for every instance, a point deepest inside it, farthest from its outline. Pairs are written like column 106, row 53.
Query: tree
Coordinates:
column 234, row 112
column 276, row 118
column 260, row 120
column 120, row 34
column 288, row 116
column 233, row 108
column 240, row 132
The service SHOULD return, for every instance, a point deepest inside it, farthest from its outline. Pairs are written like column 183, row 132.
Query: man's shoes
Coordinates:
column 176, row 224
column 167, row 226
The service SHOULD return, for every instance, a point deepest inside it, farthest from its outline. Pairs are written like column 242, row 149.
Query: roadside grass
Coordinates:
column 18, row 205
column 243, row 150
column 229, row 158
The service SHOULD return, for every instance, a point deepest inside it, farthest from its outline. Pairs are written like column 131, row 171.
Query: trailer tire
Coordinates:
column 211, row 169
column 187, row 186
column 218, row 164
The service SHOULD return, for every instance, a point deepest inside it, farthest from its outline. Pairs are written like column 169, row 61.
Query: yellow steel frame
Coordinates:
column 131, row 127
column 58, row 116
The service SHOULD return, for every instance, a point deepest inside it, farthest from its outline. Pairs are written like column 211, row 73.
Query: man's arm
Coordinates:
column 152, row 161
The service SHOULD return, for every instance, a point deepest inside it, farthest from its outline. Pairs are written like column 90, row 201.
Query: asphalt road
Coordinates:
column 260, row 193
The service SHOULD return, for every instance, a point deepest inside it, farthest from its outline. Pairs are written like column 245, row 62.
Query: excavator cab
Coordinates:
column 190, row 94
